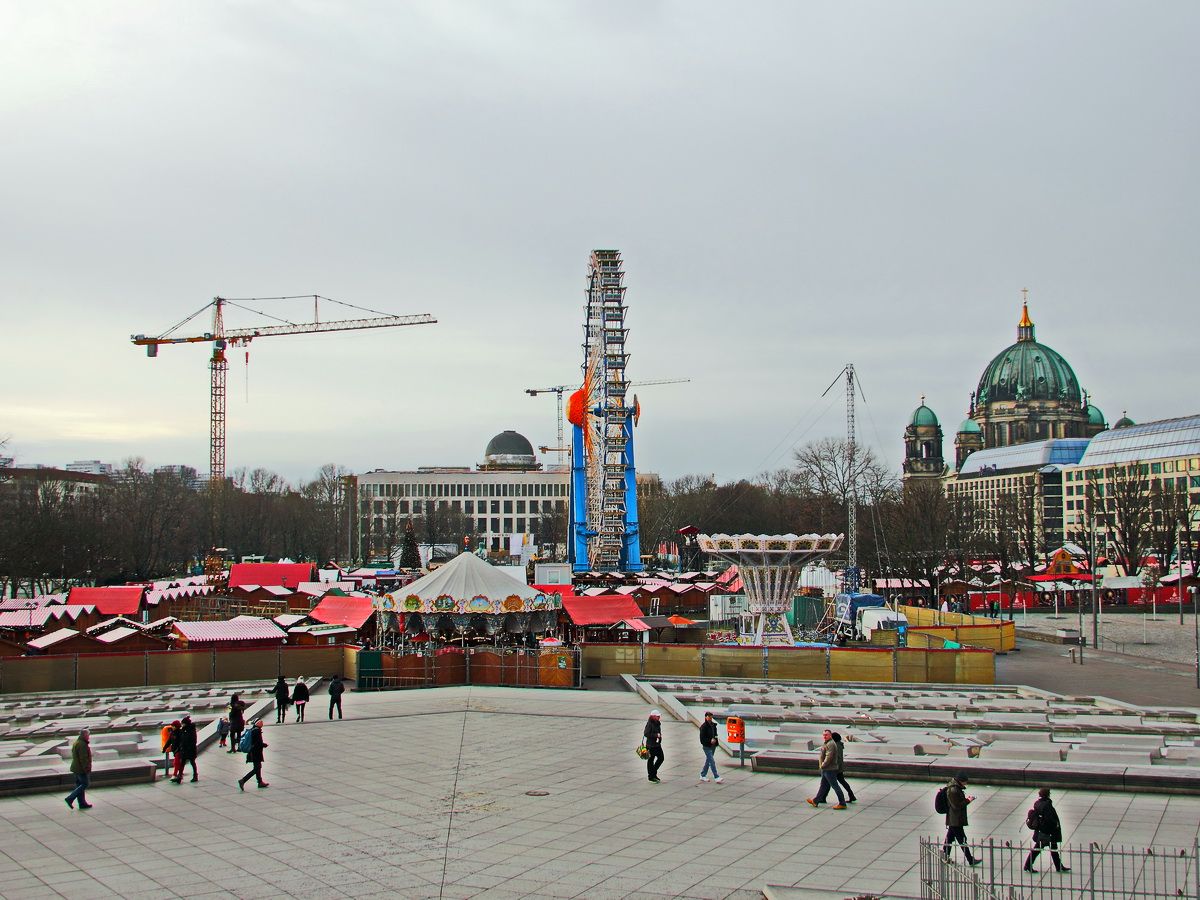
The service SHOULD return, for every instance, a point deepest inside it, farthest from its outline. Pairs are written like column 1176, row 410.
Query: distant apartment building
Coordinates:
column 186, row 474
column 90, row 467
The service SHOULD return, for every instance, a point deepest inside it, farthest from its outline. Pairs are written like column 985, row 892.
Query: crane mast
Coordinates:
column 218, row 365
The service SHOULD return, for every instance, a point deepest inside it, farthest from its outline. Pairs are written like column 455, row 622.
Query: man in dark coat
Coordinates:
column 653, row 739
column 956, row 817
column 829, row 763
column 185, row 749
column 81, row 768
column 1048, row 832
column 255, row 757
column 283, row 698
column 237, row 721
column 708, row 743
column 336, row 689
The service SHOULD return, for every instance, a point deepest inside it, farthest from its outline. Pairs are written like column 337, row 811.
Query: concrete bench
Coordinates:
column 1109, row 757
column 1123, row 741
column 1016, row 751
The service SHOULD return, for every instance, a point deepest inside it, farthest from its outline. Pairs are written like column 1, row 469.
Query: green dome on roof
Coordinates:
column 1095, row 417
column 1028, row 371
column 969, row 426
column 510, row 445
column 923, row 416
column 1124, row 422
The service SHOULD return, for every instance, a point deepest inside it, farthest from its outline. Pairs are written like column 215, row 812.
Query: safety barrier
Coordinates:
column 883, row 664
column 379, row 670
column 1096, row 872
column 972, row 631
column 99, row 671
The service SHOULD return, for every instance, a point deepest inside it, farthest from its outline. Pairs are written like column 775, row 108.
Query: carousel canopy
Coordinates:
column 467, row 584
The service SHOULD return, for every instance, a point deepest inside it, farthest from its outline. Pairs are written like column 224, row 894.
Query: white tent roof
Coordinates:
column 467, row 576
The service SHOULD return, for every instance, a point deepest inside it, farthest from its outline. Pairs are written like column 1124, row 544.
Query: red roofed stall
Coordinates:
column 347, row 610
column 591, row 617
column 244, row 631
column 288, row 575
column 110, row 601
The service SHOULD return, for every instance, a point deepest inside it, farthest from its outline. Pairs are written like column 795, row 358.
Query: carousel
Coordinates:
column 468, row 601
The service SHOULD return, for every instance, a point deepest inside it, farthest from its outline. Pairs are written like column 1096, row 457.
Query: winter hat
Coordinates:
column 962, row 777
column 654, row 714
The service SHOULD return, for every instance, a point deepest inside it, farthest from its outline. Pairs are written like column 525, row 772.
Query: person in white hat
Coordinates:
column 653, row 739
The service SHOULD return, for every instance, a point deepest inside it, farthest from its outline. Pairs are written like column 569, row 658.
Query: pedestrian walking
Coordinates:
column 300, row 698
column 237, row 721
column 283, row 696
column 336, row 689
column 171, row 748
column 1047, row 832
column 255, row 757
column 222, row 731
column 956, row 817
column 708, row 743
column 652, row 735
column 841, row 775
column 829, row 762
column 81, row 768
column 185, row 749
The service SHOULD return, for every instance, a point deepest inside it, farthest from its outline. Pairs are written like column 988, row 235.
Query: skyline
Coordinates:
column 792, row 189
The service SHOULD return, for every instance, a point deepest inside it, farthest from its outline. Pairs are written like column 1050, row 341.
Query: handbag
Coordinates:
column 642, row 751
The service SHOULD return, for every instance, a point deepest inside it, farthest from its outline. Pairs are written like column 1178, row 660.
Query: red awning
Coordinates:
column 680, row 620
column 605, row 609
column 1064, row 576
column 109, row 601
column 352, row 611
column 634, row 625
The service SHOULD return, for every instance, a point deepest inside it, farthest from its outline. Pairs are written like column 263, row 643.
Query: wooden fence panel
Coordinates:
column 112, row 670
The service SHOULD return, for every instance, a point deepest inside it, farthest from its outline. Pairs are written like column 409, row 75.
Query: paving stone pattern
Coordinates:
column 422, row 794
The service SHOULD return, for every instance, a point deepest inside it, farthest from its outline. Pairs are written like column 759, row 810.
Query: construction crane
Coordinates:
column 220, row 337
column 558, row 391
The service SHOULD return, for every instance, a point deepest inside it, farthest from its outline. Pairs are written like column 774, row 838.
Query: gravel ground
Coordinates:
column 1133, row 634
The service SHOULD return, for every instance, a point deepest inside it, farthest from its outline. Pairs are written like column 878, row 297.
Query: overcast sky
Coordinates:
column 794, row 186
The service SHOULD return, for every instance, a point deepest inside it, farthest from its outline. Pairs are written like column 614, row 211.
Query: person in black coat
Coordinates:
column 841, row 775
column 652, row 735
column 283, row 696
column 336, row 689
column 300, row 698
column 255, row 757
column 1048, row 832
column 708, row 743
column 237, row 721
column 185, row 749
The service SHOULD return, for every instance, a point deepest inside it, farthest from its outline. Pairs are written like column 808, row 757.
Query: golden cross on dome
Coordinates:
column 1024, row 295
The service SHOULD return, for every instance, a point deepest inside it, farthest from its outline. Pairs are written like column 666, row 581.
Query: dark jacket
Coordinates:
column 956, row 804
column 653, row 732
column 257, row 746
column 300, row 693
column 81, row 757
column 283, row 694
column 237, row 721
column 1049, row 828
column 708, row 734
column 185, row 740
column 336, row 688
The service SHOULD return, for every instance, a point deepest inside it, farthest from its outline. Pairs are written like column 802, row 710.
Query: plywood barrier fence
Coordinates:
column 975, row 631
column 968, row 665
column 102, row 671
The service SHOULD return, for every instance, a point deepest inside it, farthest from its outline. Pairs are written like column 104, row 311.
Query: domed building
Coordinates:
column 509, row 452
column 923, row 445
column 1029, row 392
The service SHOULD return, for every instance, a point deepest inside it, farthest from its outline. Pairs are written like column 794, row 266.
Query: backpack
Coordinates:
column 244, row 743
column 1033, row 820
column 940, row 804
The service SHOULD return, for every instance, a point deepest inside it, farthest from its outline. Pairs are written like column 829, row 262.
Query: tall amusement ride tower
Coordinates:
column 604, row 516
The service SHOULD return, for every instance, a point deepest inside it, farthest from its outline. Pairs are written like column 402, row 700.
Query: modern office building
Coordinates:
column 506, row 501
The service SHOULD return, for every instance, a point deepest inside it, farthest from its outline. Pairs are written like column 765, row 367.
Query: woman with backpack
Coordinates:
column 1047, row 831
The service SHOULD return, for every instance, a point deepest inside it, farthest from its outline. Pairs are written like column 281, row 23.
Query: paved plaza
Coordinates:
column 439, row 793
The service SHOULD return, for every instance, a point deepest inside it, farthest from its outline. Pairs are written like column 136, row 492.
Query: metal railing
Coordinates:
column 1096, row 873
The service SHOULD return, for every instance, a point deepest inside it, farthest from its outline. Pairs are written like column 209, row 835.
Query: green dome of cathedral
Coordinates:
column 1095, row 417
column 923, row 416
column 1028, row 371
column 969, row 426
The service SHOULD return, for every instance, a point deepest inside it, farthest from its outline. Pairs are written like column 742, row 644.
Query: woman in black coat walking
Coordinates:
column 185, row 749
column 300, row 698
column 283, row 696
column 1048, row 832
column 237, row 721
